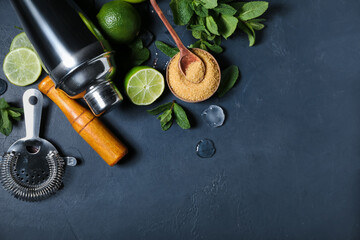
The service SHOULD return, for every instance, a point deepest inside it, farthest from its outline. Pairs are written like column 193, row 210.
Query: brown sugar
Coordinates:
column 189, row 91
column 195, row 72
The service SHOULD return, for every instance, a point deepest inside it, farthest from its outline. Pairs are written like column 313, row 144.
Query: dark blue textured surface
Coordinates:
column 287, row 162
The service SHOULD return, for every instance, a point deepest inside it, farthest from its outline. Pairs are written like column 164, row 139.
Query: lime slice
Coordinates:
column 144, row 85
column 22, row 41
column 22, row 67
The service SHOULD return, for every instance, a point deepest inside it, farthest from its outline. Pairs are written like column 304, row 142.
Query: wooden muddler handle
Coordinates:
column 89, row 127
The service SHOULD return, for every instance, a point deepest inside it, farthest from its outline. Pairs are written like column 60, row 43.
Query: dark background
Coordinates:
column 287, row 161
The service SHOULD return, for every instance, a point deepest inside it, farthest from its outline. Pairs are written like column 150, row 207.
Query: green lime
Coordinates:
column 144, row 85
column 22, row 41
column 120, row 21
column 22, row 67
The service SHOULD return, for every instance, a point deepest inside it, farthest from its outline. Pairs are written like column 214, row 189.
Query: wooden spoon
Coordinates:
column 186, row 56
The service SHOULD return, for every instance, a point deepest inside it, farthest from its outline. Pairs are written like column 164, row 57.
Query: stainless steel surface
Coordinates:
column 55, row 29
column 32, row 169
column 101, row 96
column 33, row 102
column 76, row 58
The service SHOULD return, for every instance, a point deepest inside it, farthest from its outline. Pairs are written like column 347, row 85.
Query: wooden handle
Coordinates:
column 90, row 128
column 171, row 30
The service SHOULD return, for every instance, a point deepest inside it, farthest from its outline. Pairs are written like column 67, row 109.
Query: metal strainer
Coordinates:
column 32, row 169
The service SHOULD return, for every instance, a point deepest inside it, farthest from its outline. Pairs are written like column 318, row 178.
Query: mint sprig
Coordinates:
column 212, row 20
column 139, row 54
column 6, row 114
column 168, row 112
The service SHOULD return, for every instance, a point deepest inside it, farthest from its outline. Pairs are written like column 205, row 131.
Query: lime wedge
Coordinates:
column 22, row 41
column 22, row 67
column 144, row 85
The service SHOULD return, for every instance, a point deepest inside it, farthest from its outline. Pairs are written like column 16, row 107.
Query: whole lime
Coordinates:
column 120, row 21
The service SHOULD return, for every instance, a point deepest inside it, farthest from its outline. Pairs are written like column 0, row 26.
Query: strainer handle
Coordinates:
column 33, row 102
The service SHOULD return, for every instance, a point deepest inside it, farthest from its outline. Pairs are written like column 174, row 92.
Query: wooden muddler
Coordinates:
column 89, row 127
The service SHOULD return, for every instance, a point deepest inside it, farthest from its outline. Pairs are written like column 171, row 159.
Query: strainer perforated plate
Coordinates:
column 32, row 169
column 31, row 184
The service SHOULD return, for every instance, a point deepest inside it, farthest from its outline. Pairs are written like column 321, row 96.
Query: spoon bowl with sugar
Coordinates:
column 191, row 66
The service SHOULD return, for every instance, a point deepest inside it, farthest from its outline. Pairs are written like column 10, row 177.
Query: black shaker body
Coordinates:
column 78, row 61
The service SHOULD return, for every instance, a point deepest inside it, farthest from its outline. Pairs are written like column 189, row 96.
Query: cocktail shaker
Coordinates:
column 79, row 60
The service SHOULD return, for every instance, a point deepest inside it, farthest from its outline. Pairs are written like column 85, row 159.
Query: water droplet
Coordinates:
column 165, row 66
column 70, row 161
column 3, row 86
column 155, row 62
column 205, row 148
column 214, row 116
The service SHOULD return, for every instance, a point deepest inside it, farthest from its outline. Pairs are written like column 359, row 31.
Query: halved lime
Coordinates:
column 22, row 67
column 144, row 85
column 22, row 41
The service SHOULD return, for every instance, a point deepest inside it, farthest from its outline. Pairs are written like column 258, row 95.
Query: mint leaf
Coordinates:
column 250, row 32
column 217, row 40
column 228, row 79
column 237, row 5
column 226, row 9
column 160, row 109
column 6, row 125
column 165, row 118
column 6, row 111
column 251, row 10
column 211, row 25
column 3, row 104
column 195, row 44
column 14, row 114
column 201, row 11
column 182, row 11
column 196, row 34
column 166, row 126
column 213, row 47
column 197, row 27
column 256, row 25
column 227, row 25
column 209, row 4
column 139, row 54
column 166, row 49
column 181, row 117
column 252, row 35
column 203, row 46
column 257, row 20
column 20, row 110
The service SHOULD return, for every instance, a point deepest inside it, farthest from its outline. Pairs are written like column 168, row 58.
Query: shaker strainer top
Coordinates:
column 32, row 169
